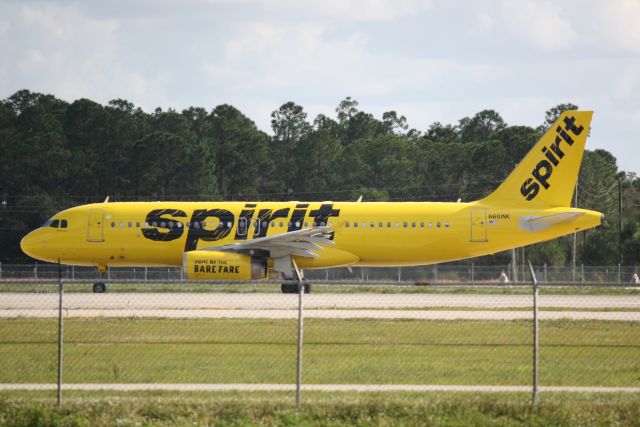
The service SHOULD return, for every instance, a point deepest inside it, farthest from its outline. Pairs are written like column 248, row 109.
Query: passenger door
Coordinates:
column 478, row 225
column 96, row 226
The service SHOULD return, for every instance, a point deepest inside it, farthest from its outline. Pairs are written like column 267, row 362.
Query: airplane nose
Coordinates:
column 29, row 245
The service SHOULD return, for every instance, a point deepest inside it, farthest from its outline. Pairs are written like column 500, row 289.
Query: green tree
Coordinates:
column 290, row 126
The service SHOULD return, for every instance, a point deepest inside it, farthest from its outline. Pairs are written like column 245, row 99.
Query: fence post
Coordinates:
column 582, row 272
column 145, row 275
column 399, row 274
column 60, row 296
column 435, row 272
column 0, row 270
column 545, row 272
column 473, row 272
column 299, row 355
column 619, row 273
column 534, row 392
column 35, row 271
column 73, row 272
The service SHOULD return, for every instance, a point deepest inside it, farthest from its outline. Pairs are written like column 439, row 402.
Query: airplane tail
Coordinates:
column 547, row 175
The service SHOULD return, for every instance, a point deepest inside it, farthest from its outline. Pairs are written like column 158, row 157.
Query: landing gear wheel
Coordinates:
column 291, row 287
column 99, row 288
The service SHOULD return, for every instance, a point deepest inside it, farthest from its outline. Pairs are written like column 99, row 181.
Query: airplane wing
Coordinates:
column 294, row 243
column 535, row 223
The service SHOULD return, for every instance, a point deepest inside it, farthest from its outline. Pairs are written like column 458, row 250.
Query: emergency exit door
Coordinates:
column 96, row 224
column 478, row 225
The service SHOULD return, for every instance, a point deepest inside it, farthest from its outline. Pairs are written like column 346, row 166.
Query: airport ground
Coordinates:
column 321, row 409
column 397, row 350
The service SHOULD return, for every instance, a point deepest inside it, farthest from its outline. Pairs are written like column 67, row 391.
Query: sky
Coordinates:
column 431, row 60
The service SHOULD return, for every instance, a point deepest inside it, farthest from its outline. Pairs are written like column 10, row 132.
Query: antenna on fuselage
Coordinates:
column 359, row 199
column 106, row 200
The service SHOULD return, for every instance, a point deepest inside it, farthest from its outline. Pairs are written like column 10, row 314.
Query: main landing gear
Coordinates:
column 99, row 288
column 291, row 286
column 292, row 276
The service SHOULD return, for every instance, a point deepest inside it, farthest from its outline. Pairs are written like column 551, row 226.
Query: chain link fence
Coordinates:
column 379, row 335
column 440, row 273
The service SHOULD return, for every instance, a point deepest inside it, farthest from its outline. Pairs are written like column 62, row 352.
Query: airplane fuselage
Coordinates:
column 365, row 234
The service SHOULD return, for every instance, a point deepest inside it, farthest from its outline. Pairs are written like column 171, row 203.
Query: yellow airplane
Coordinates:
column 242, row 240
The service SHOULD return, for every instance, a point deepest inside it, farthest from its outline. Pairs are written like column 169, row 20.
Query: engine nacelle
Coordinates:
column 215, row 265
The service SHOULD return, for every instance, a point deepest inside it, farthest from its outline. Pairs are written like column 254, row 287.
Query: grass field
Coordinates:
column 323, row 409
column 97, row 350
column 379, row 288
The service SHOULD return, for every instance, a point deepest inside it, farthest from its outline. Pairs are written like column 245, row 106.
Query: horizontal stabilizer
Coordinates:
column 537, row 223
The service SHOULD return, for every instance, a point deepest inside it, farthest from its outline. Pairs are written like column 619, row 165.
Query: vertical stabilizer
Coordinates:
column 547, row 175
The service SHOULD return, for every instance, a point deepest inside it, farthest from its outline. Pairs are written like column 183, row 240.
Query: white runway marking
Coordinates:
column 315, row 387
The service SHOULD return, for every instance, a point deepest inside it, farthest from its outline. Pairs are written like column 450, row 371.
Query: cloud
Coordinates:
column 351, row 10
column 618, row 23
column 73, row 55
column 485, row 20
column 285, row 57
column 541, row 23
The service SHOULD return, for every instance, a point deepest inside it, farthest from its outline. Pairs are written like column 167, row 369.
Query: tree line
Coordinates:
column 57, row 154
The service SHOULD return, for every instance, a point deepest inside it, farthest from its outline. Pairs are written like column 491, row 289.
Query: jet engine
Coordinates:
column 217, row 265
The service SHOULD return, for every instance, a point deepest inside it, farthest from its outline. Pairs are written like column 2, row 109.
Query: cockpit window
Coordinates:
column 46, row 224
column 55, row 223
column 63, row 223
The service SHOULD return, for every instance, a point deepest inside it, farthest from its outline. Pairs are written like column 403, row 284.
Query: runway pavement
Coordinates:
column 279, row 306
column 252, row 301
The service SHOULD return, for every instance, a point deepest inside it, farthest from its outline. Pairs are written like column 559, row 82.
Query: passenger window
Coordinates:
column 355, row 223
column 264, row 224
column 405, row 224
column 55, row 223
column 297, row 224
column 397, row 225
column 446, row 224
column 130, row 224
column 305, row 224
column 422, row 225
column 137, row 225
column 438, row 224
column 146, row 224
column 113, row 224
column 430, row 224
column 196, row 224
column 380, row 225
column 388, row 225
column 63, row 223
column 170, row 224
column 364, row 224
column 229, row 224
column 281, row 224
column 122, row 225
column 346, row 224
column 373, row 224
column 273, row 223
column 162, row 224
column 154, row 223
